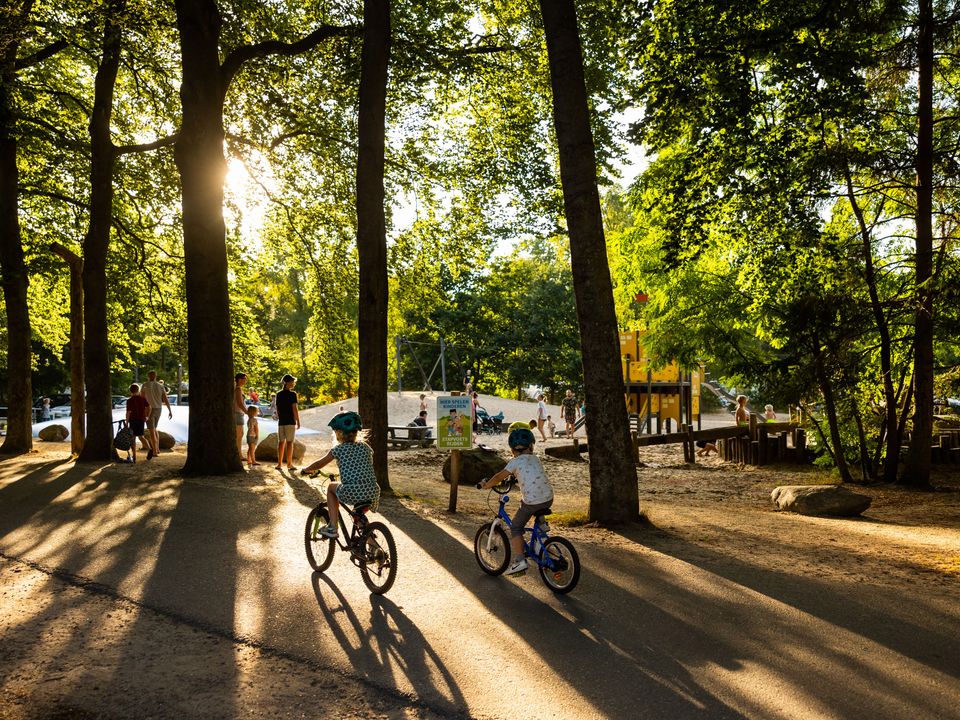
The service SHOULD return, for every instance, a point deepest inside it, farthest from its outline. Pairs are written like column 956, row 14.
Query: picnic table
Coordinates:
column 401, row 437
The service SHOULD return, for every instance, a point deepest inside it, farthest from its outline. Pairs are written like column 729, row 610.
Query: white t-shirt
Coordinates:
column 542, row 410
column 534, row 485
column 153, row 392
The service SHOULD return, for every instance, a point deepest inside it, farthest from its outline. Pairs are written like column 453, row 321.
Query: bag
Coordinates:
column 123, row 440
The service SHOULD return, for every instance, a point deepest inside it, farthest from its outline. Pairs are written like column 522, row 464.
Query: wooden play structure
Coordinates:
column 658, row 397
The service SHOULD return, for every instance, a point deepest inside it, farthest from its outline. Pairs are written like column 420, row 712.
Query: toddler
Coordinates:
column 253, row 434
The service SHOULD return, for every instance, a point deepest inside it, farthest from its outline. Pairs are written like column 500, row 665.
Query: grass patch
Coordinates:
column 569, row 519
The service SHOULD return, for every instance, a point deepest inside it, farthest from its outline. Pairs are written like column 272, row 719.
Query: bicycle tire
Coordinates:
column 490, row 561
column 379, row 566
column 559, row 565
column 320, row 549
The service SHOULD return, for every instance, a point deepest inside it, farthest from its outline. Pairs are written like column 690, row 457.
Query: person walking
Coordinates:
column 288, row 421
column 541, row 415
column 138, row 410
column 571, row 411
column 239, row 410
column 155, row 394
column 45, row 410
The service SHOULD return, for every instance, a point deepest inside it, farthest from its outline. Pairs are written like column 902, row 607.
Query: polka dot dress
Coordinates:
column 358, row 484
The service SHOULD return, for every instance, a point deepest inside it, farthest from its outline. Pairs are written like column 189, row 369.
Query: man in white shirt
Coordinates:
column 156, row 396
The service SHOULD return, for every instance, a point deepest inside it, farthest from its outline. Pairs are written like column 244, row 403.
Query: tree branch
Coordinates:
column 235, row 60
column 147, row 147
column 42, row 54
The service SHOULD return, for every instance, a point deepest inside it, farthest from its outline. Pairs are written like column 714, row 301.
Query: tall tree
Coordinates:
column 103, row 155
column 613, row 477
column 14, row 21
column 917, row 470
column 200, row 160
column 371, row 228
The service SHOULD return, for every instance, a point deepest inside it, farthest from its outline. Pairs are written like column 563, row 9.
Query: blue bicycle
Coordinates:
column 555, row 556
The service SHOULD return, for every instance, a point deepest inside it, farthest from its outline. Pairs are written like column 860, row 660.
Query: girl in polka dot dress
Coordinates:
column 358, row 483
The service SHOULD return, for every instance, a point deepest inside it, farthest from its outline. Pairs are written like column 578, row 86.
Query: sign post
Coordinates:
column 454, row 433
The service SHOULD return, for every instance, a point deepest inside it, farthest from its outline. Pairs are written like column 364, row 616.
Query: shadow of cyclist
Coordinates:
column 390, row 652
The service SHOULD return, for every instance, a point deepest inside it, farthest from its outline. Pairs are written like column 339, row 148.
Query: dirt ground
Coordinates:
column 907, row 539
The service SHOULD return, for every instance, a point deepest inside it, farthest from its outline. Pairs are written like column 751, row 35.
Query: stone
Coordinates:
column 267, row 448
column 54, row 433
column 475, row 465
column 834, row 500
column 167, row 441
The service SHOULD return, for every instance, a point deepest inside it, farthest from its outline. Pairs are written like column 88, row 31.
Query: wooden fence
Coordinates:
column 758, row 443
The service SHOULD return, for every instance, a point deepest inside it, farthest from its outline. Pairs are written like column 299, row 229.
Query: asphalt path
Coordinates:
column 645, row 634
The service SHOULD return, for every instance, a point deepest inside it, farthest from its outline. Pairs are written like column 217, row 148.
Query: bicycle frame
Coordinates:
column 359, row 523
column 536, row 533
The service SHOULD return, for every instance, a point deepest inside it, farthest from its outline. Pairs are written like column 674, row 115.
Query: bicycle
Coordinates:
column 556, row 557
column 370, row 544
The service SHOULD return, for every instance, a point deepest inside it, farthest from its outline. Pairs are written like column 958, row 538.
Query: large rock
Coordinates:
column 267, row 448
column 475, row 465
column 54, row 433
column 167, row 441
column 820, row 500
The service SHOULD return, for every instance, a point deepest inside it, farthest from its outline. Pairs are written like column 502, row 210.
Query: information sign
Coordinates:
column 454, row 423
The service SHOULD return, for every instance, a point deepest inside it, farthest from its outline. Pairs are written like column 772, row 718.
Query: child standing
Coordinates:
column 138, row 410
column 535, row 490
column 551, row 426
column 253, row 434
column 358, row 484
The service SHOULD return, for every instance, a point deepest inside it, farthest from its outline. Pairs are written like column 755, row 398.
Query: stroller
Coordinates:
column 487, row 423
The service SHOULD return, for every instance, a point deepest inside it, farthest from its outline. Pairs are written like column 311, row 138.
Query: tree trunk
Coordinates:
column 613, row 476
column 917, row 470
column 892, row 459
column 78, row 405
column 96, row 244
column 212, row 445
column 13, row 269
column 830, row 405
column 371, row 229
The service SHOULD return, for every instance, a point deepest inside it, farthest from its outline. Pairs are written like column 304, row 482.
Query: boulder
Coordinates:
column 267, row 448
column 54, row 433
column 475, row 465
column 167, row 441
column 820, row 500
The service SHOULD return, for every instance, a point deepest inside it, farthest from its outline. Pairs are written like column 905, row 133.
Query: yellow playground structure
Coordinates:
column 660, row 394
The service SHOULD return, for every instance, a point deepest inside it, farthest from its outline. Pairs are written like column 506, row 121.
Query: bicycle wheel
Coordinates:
column 559, row 565
column 493, row 559
column 379, row 566
column 320, row 549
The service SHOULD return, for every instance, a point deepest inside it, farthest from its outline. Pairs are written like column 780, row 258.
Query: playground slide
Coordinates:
column 576, row 426
column 719, row 391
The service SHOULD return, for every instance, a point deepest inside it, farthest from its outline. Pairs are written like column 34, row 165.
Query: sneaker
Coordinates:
column 330, row 531
column 518, row 567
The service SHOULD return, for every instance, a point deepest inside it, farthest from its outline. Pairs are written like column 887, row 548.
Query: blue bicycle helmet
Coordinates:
column 347, row 422
column 521, row 439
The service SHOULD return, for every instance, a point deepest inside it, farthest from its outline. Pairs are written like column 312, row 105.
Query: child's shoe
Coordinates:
column 330, row 531
column 518, row 567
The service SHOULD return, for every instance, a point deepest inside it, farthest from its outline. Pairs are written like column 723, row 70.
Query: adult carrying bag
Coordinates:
column 123, row 440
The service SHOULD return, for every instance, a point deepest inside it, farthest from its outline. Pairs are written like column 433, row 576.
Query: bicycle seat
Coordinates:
column 361, row 508
column 543, row 513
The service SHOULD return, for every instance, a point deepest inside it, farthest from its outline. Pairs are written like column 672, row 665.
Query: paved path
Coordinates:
column 646, row 634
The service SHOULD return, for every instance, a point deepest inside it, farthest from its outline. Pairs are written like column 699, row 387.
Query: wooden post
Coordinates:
column 454, row 479
column 691, row 445
column 800, row 445
column 763, row 447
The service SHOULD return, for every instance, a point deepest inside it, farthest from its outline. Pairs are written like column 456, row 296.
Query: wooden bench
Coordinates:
column 401, row 437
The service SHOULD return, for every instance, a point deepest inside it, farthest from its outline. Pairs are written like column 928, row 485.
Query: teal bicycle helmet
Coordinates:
column 346, row 422
column 520, row 439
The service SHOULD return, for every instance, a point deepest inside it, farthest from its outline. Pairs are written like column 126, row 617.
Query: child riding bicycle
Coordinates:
column 535, row 490
column 358, row 483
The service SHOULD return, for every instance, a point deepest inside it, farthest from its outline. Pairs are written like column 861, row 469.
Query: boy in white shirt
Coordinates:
column 535, row 490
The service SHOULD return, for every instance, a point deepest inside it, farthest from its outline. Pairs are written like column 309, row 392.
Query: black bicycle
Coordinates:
column 370, row 544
